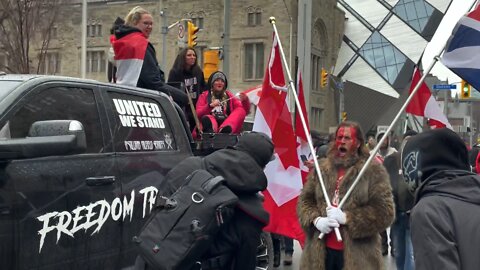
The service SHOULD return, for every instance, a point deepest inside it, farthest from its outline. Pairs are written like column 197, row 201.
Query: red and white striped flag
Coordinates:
column 424, row 104
column 129, row 54
column 284, row 177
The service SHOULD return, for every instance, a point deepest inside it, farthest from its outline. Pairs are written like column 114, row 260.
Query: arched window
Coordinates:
column 254, row 16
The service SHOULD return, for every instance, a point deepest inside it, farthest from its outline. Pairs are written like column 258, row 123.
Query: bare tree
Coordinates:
column 25, row 32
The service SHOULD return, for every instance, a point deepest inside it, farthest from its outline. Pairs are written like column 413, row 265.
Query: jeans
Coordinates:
column 277, row 243
column 403, row 242
column 288, row 245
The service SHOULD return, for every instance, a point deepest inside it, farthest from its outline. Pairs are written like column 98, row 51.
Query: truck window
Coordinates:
column 60, row 103
column 140, row 124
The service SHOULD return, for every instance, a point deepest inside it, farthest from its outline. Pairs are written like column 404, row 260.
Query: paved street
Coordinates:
column 389, row 262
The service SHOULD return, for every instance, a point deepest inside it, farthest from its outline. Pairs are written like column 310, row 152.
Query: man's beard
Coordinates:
column 347, row 161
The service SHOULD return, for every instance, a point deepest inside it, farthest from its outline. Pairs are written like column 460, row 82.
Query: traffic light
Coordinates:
column 344, row 116
column 211, row 60
column 465, row 90
column 192, row 34
column 323, row 78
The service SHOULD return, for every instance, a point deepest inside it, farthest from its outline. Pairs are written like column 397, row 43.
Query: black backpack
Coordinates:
column 182, row 227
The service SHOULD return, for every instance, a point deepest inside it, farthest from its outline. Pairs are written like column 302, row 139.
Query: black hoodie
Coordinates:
column 445, row 220
column 242, row 169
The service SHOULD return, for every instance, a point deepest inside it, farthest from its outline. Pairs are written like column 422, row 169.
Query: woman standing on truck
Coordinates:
column 219, row 110
column 135, row 56
column 186, row 70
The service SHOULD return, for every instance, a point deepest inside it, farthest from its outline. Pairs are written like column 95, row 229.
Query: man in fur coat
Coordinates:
column 368, row 211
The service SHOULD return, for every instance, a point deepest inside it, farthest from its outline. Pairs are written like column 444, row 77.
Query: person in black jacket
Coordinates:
column 135, row 56
column 111, row 68
column 242, row 167
column 403, row 199
column 186, row 70
column 444, row 221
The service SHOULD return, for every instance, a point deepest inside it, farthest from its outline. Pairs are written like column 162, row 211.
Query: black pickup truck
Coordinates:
column 80, row 161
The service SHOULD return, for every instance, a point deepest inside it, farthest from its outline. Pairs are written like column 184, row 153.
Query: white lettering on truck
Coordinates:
column 138, row 114
column 94, row 214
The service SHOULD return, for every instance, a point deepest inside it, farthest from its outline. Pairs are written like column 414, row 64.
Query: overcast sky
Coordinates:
column 457, row 9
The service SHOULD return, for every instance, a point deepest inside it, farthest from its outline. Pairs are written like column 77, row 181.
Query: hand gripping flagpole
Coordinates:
column 304, row 124
column 377, row 147
column 379, row 144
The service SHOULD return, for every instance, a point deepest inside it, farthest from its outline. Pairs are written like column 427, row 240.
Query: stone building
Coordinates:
column 309, row 29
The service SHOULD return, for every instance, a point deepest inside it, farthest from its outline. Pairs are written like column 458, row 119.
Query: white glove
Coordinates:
column 336, row 214
column 325, row 225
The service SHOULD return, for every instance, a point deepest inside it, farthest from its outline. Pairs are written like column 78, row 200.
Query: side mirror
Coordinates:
column 47, row 138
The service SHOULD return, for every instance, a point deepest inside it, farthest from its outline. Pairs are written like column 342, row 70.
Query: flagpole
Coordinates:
column 304, row 123
column 377, row 147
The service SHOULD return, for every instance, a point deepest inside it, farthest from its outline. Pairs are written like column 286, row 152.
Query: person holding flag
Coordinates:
column 368, row 211
column 219, row 110
column 273, row 117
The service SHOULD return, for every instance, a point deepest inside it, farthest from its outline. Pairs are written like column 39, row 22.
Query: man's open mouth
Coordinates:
column 342, row 151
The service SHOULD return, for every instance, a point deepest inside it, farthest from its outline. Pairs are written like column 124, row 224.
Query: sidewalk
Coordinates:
column 389, row 260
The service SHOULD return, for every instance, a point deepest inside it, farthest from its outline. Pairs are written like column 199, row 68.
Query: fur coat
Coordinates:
column 369, row 210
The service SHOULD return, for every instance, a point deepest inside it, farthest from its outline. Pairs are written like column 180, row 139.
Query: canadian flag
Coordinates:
column 424, row 104
column 284, row 176
column 253, row 94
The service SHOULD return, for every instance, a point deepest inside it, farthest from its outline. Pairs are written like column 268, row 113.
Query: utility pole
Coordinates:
column 164, row 39
column 83, row 64
column 471, row 123
column 226, row 37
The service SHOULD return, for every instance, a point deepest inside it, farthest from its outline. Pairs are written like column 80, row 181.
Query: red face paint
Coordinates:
column 347, row 139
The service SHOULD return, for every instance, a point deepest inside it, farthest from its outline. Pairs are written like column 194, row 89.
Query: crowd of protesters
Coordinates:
column 427, row 191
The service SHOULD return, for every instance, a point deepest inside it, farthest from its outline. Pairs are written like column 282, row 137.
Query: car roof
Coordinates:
column 48, row 78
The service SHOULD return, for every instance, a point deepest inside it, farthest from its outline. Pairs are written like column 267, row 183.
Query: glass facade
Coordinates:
column 414, row 12
column 383, row 56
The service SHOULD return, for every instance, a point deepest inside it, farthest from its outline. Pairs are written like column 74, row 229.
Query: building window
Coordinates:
column 316, row 115
column 198, row 22
column 51, row 64
column 96, row 61
column 316, row 67
column 254, row 16
column 383, row 57
column 254, row 55
column 414, row 12
column 94, row 30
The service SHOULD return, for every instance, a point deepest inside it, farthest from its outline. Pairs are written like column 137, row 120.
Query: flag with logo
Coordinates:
column 424, row 104
column 284, row 176
column 462, row 51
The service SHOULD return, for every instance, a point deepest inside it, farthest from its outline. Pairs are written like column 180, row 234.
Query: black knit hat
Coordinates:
column 258, row 145
column 215, row 76
column 430, row 152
